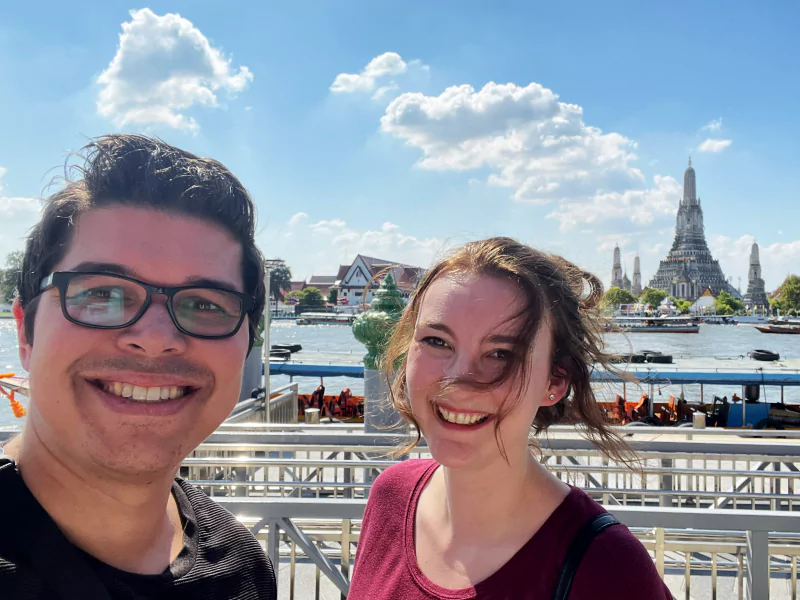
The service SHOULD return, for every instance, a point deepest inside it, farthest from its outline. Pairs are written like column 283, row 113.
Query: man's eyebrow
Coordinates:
column 118, row 269
column 103, row 267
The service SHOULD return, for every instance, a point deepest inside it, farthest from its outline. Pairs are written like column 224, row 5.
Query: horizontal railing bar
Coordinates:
column 701, row 447
column 632, row 516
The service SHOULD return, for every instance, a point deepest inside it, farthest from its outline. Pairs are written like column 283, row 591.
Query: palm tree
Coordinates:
column 280, row 279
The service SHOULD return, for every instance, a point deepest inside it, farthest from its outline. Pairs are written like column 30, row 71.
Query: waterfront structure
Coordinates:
column 636, row 286
column 616, row 269
column 352, row 279
column 689, row 268
column 756, row 296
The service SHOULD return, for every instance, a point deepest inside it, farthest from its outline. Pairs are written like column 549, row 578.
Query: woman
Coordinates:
column 497, row 337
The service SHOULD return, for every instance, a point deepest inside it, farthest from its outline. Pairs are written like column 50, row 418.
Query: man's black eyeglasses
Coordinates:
column 108, row 301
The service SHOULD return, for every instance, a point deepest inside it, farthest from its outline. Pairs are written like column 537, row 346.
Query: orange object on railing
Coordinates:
column 16, row 405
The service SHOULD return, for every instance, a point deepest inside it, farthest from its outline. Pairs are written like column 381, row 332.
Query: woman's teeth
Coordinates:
column 461, row 418
column 143, row 394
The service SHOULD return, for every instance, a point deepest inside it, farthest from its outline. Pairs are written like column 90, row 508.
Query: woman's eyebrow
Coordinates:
column 438, row 326
column 501, row 339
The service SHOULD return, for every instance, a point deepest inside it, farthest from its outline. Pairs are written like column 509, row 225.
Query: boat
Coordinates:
column 784, row 321
column 323, row 318
column 653, row 324
column 718, row 320
column 790, row 329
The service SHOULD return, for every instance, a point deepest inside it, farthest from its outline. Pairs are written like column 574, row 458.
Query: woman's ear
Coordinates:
column 559, row 386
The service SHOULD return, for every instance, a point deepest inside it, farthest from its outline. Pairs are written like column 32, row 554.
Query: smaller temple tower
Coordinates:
column 616, row 271
column 756, row 296
column 636, row 286
column 626, row 283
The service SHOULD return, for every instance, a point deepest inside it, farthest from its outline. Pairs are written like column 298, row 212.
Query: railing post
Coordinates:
column 345, row 551
column 273, row 547
column 666, row 482
column 757, row 571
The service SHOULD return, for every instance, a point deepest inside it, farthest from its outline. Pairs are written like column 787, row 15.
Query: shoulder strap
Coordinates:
column 32, row 530
column 576, row 551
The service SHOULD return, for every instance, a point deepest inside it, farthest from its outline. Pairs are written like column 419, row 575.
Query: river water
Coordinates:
column 335, row 344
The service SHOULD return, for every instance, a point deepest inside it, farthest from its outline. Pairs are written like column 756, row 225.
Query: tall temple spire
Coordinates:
column 689, row 268
column 616, row 270
column 636, row 286
column 689, row 185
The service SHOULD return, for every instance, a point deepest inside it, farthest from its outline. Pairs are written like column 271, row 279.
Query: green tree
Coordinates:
column 311, row 296
column 682, row 305
column 616, row 296
column 788, row 295
column 280, row 279
column 333, row 296
column 8, row 276
column 726, row 304
column 653, row 297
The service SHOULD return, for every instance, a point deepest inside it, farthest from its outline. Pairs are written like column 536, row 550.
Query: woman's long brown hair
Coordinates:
column 554, row 292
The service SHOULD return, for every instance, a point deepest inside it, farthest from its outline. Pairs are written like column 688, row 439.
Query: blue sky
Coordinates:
column 398, row 129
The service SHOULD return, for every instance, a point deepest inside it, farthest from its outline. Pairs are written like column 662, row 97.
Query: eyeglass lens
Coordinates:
column 108, row 301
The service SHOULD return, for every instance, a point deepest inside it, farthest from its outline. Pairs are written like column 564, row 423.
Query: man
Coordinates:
column 138, row 302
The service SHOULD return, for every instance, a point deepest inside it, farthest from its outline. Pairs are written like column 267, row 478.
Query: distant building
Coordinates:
column 323, row 283
column 352, row 279
column 704, row 303
column 689, row 268
column 616, row 269
column 756, row 296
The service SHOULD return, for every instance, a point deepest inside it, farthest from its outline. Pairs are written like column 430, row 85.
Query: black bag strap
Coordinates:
column 576, row 551
column 32, row 530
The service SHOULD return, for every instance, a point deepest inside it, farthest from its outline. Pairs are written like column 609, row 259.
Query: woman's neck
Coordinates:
column 488, row 503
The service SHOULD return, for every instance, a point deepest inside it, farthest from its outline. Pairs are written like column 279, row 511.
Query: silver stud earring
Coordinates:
column 552, row 397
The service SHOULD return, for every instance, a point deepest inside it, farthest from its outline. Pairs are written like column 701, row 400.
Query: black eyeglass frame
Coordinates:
column 60, row 280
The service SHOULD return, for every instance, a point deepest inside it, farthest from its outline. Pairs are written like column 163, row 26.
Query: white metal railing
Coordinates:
column 754, row 546
column 283, row 408
column 306, row 461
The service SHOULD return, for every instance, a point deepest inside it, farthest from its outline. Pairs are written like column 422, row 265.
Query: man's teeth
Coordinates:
column 461, row 418
column 144, row 394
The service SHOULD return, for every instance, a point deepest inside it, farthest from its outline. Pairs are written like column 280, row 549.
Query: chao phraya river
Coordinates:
column 716, row 345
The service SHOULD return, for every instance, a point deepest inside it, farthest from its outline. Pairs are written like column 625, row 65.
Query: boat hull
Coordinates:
column 655, row 329
column 779, row 329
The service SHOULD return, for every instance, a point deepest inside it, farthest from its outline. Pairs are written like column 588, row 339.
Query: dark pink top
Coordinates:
column 615, row 567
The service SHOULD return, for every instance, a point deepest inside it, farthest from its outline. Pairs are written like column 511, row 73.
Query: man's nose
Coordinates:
column 154, row 334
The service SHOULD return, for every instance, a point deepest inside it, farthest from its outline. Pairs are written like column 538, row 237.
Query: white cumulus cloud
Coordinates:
column 714, row 125
column 712, row 145
column 297, row 218
column 639, row 206
column 19, row 214
column 163, row 66
column 387, row 64
column 375, row 74
column 535, row 145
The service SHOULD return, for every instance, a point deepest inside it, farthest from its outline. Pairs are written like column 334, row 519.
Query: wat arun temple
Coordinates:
column 689, row 270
